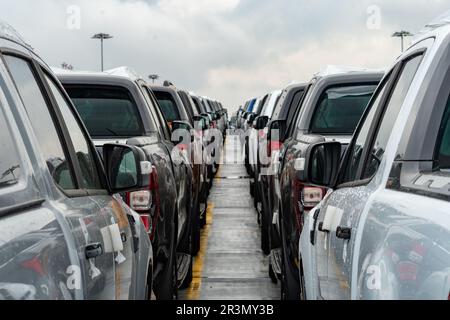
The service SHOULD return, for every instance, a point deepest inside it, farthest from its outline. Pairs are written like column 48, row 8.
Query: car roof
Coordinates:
column 114, row 75
column 9, row 33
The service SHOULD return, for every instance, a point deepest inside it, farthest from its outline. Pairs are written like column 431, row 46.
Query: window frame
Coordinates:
column 37, row 70
column 390, row 80
column 98, row 164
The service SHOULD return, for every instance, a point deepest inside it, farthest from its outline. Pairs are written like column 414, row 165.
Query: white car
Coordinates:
column 383, row 230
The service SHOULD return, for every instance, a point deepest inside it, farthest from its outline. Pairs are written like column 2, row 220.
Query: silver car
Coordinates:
column 64, row 234
column 383, row 229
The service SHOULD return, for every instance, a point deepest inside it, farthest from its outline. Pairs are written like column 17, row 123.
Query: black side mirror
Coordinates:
column 127, row 168
column 201, row 123
column 277, row 130
column 251, row 118
column 321, row 164
column 261, row 122
column 182, row 131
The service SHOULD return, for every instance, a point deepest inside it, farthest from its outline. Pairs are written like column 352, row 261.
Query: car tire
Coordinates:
column 265, row 242
column 165, row 287
column 302, row 282
column 196, row 227
column 189, row 276
column 290, row 286
column 272, row 275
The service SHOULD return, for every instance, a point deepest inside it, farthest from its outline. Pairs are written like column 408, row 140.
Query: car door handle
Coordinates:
column 321, row 229
column 343, row 233
column 93, row 250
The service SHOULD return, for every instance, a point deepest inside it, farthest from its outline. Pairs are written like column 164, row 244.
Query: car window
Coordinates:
column 360, row 139
column 89, row 173
column 168, row 105
column 41, row 121
column 156, row 112
column 10, row 164
column 392, row 110
column 444, row 141
column 340, row 109
column 106, row 111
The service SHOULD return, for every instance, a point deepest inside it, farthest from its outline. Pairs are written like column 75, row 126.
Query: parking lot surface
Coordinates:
column 231, row 264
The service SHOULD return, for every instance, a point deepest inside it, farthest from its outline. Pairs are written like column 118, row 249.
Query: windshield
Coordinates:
column 340, row 109
column 107, row 111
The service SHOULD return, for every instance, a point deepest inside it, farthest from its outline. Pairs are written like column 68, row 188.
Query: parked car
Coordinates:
column 330, row 112
column 198, row 160
column 383, row 230
column 285, row 111
column 257, row 141
column 118, row 106
column 64, row 233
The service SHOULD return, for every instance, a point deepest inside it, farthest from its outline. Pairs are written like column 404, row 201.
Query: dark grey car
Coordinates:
column 63, row 233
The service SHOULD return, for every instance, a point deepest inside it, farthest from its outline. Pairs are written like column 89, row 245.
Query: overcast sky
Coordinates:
column 227, row 49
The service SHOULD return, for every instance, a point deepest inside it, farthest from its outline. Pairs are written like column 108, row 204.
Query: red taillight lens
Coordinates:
column 262, row 134
column 182, row 147
column 273, row 146
column 147, row 203
column 146, row 221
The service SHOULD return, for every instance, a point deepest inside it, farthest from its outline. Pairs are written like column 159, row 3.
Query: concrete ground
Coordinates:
column 231, row 265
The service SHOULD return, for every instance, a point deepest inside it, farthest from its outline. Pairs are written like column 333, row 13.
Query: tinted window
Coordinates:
column 444, row 145
column 391, row 113
column 168, row 105
column 107, row 111
column 41, row 121
column 340, row 109
column 89, row 173
column 361, row 138
column 156, row 113
column 10, row 170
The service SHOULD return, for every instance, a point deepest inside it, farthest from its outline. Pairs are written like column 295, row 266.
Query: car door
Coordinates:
column 339, row 217
column 87, row 224
column 121, row 223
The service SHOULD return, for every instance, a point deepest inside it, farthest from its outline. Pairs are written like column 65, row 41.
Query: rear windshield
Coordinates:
column 340, row 109
column 168, row 105
column 107, row 111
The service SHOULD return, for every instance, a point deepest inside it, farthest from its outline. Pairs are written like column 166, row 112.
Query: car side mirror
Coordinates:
column 251, row 118
column 261, row 122
column 321, row 164
column 277, row 129
column 200, row 123
column 127, row 168
column 182, row 131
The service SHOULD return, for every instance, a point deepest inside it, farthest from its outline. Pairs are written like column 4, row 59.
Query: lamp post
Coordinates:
column 153, row 77
column 102, row 37
column 402, row 34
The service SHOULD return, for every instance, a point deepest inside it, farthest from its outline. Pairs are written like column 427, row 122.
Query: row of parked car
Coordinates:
column 102, row 195
column 351, row 177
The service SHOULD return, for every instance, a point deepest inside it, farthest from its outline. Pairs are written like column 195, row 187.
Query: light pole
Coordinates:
column 102, row 36
column 402, row 34
column 153, row 77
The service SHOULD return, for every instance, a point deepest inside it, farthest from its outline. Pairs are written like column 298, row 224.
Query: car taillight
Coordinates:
column 305, row 199
column 140, row 200
column 273, row 146
column 146, row 221
column 147, row 203
column 262, row 134
column 311, row 196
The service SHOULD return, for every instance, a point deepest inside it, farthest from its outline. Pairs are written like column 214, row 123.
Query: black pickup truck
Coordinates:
column 117, row 106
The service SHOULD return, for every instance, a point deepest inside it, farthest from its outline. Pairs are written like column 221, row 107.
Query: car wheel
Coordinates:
column 265, row 245
column 189, row 276
column 165, row 286
column 272, row 275
column 290, row 287
column 302, row 282
column 195, row 237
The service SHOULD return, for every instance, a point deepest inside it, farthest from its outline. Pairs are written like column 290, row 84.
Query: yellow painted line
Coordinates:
column 193, row 292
